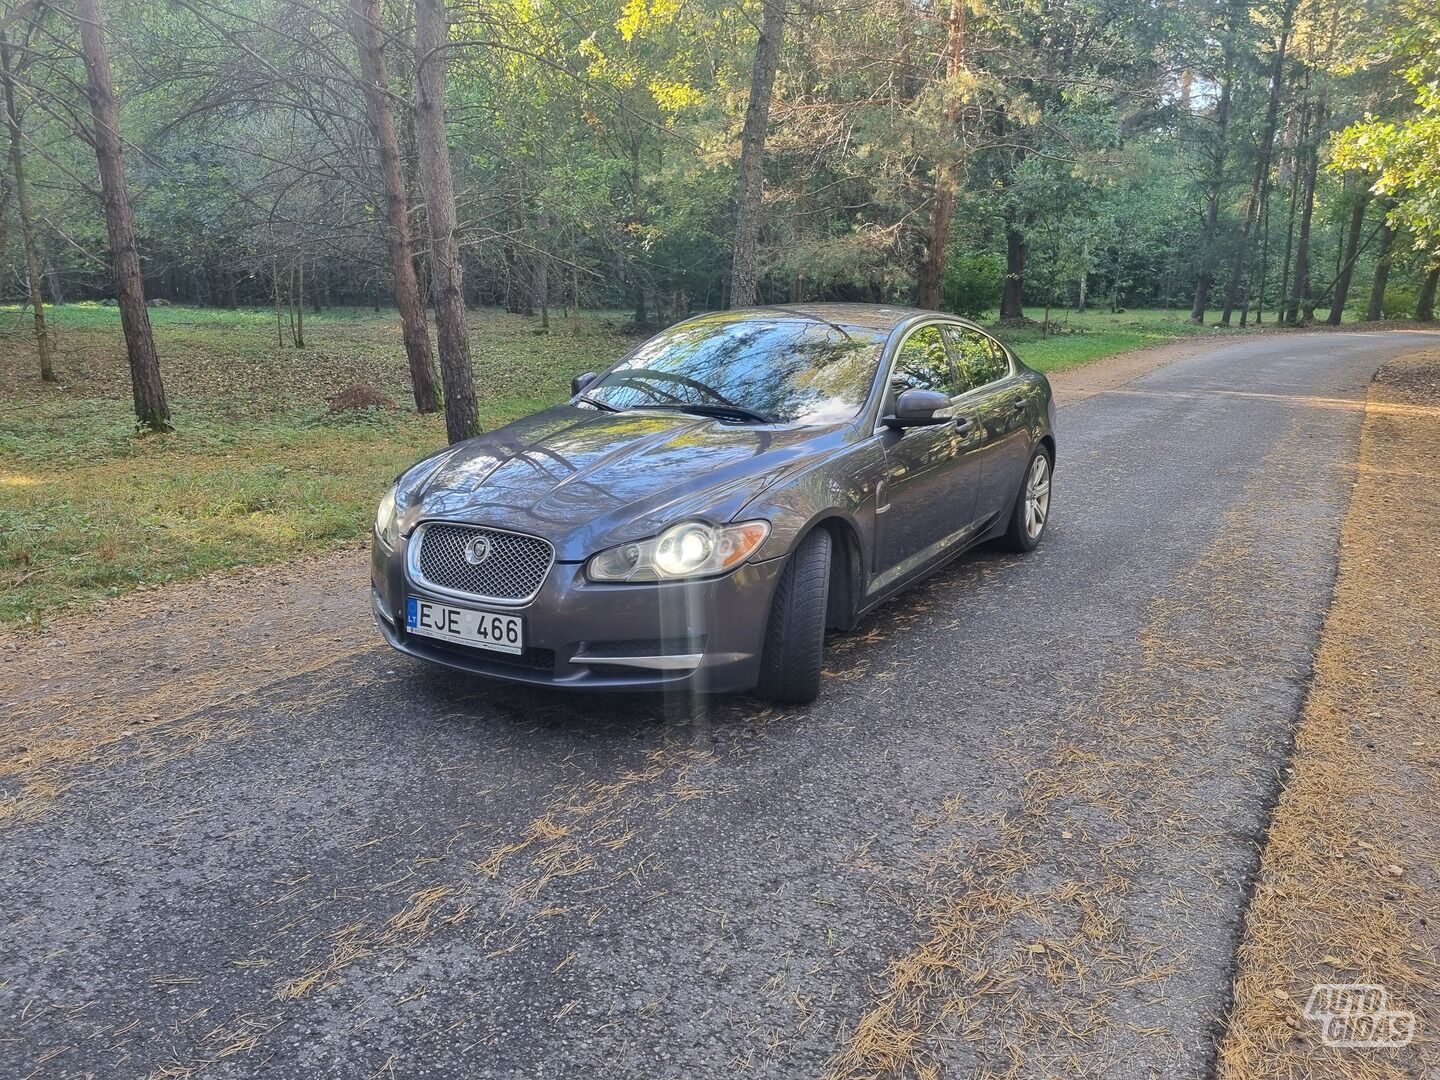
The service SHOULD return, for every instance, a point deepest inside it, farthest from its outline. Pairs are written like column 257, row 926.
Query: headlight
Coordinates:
column 690, row 549
column 387, row 519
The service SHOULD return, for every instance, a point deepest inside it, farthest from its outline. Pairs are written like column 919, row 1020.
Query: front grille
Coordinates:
column 513, row 570
column 532, row 659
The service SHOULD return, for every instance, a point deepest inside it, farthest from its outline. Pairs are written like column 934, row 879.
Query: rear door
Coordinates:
column 997, row 398
column 926, row 500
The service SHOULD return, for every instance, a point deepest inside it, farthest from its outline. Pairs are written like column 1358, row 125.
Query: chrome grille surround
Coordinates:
column 511, row 575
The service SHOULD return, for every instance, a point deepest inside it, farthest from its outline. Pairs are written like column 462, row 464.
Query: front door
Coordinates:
column 998, row 401
column 926, row 500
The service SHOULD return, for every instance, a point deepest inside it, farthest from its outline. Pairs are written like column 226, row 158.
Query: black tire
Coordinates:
column 795, row 634
column 1018, row 535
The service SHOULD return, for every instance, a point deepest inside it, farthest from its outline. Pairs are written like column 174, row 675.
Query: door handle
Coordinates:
column 1019, row 404
column 964, row 425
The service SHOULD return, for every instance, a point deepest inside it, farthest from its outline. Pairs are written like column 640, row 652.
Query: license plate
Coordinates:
column 481, row 629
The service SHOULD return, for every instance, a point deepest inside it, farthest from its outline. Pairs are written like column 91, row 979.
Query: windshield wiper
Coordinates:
column 720, row 412
column 596, row 402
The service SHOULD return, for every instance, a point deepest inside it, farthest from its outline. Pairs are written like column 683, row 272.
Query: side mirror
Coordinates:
column 917, row 408
column 580, row 382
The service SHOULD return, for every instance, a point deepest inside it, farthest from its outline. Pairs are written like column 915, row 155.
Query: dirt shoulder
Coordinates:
column 96, row 687
column 1349, row 884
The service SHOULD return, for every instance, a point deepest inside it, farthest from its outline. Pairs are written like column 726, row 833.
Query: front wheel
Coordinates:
column 1032, row 504
column 795, row 634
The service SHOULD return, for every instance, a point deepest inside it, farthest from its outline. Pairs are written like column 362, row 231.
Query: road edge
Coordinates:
column 1345, row 890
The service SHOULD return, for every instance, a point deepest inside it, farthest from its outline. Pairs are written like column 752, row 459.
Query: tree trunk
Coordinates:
column 446, row 281
column 1212, row 209
column 1216, row 186
column 1264, row 254
column 1017, row 252
column 375, row 79
column 931, row 274
column 1382, row 266
column 1301, row 288
column 151, row 409
column 542, row 269
column 27, row 228
column 1262, row 168
column 52, row 279
column 279, row 316
column 751, row 181
column 1119, row 264
column 1206, row 273
column 1303, row 133
column 512, row 270
column 637, row 216
column 574, row 278
column 1350, row 251
column 1425, row 303
column 904, row 63
column 297, row 301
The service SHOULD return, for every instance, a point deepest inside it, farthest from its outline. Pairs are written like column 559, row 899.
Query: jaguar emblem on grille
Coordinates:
column 488, row 564
column 478, row 550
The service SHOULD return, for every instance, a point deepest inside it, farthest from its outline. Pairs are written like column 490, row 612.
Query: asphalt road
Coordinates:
column 1013, row 834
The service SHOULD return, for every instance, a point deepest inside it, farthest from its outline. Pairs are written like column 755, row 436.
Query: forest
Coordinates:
column 261, row 255
column 1250, row 161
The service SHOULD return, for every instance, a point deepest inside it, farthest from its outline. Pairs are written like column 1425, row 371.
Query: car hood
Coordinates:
column 586, row 480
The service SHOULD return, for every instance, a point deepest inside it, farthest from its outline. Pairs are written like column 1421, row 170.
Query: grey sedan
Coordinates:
column 697, row 516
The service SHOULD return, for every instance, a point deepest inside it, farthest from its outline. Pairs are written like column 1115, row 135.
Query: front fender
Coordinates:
column 841, row 487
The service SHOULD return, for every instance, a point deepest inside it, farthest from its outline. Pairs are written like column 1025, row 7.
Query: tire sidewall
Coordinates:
column 792, row 654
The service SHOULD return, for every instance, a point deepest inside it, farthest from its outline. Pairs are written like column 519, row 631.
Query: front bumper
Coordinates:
column 694, row 636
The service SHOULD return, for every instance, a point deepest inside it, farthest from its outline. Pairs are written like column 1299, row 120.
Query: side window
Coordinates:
column 978, row 359
column 922, row 364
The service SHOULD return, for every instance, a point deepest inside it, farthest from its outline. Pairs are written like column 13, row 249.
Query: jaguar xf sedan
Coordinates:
column 697, row 516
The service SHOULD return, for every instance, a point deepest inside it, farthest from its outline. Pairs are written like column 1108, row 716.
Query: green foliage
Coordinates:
column 605, row 146
column 1399, row 302
column 1403, row 155
column 973, row 282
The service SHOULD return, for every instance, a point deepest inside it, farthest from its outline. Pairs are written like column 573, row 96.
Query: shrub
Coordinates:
column 1399, row 303
column 973, row 283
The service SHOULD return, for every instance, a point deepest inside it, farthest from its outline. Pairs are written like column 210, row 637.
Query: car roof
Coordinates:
column 871, row 316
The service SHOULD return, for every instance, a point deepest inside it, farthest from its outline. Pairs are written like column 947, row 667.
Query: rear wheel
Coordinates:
column 1032, row 504
column 795, row 634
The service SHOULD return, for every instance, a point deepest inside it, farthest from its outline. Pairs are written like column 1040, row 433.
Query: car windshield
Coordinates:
column 779, row 367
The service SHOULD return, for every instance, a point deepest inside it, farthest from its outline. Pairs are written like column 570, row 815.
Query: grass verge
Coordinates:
column 258, row 469
column 1078, row 338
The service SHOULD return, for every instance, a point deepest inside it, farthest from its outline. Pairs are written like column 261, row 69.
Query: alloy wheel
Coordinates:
column 1037, row 496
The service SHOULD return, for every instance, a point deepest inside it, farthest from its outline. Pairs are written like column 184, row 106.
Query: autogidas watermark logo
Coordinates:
column 1358, row 1015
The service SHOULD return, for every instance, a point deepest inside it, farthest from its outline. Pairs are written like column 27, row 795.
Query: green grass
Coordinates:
column 258, row 469
column 1080, row 338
